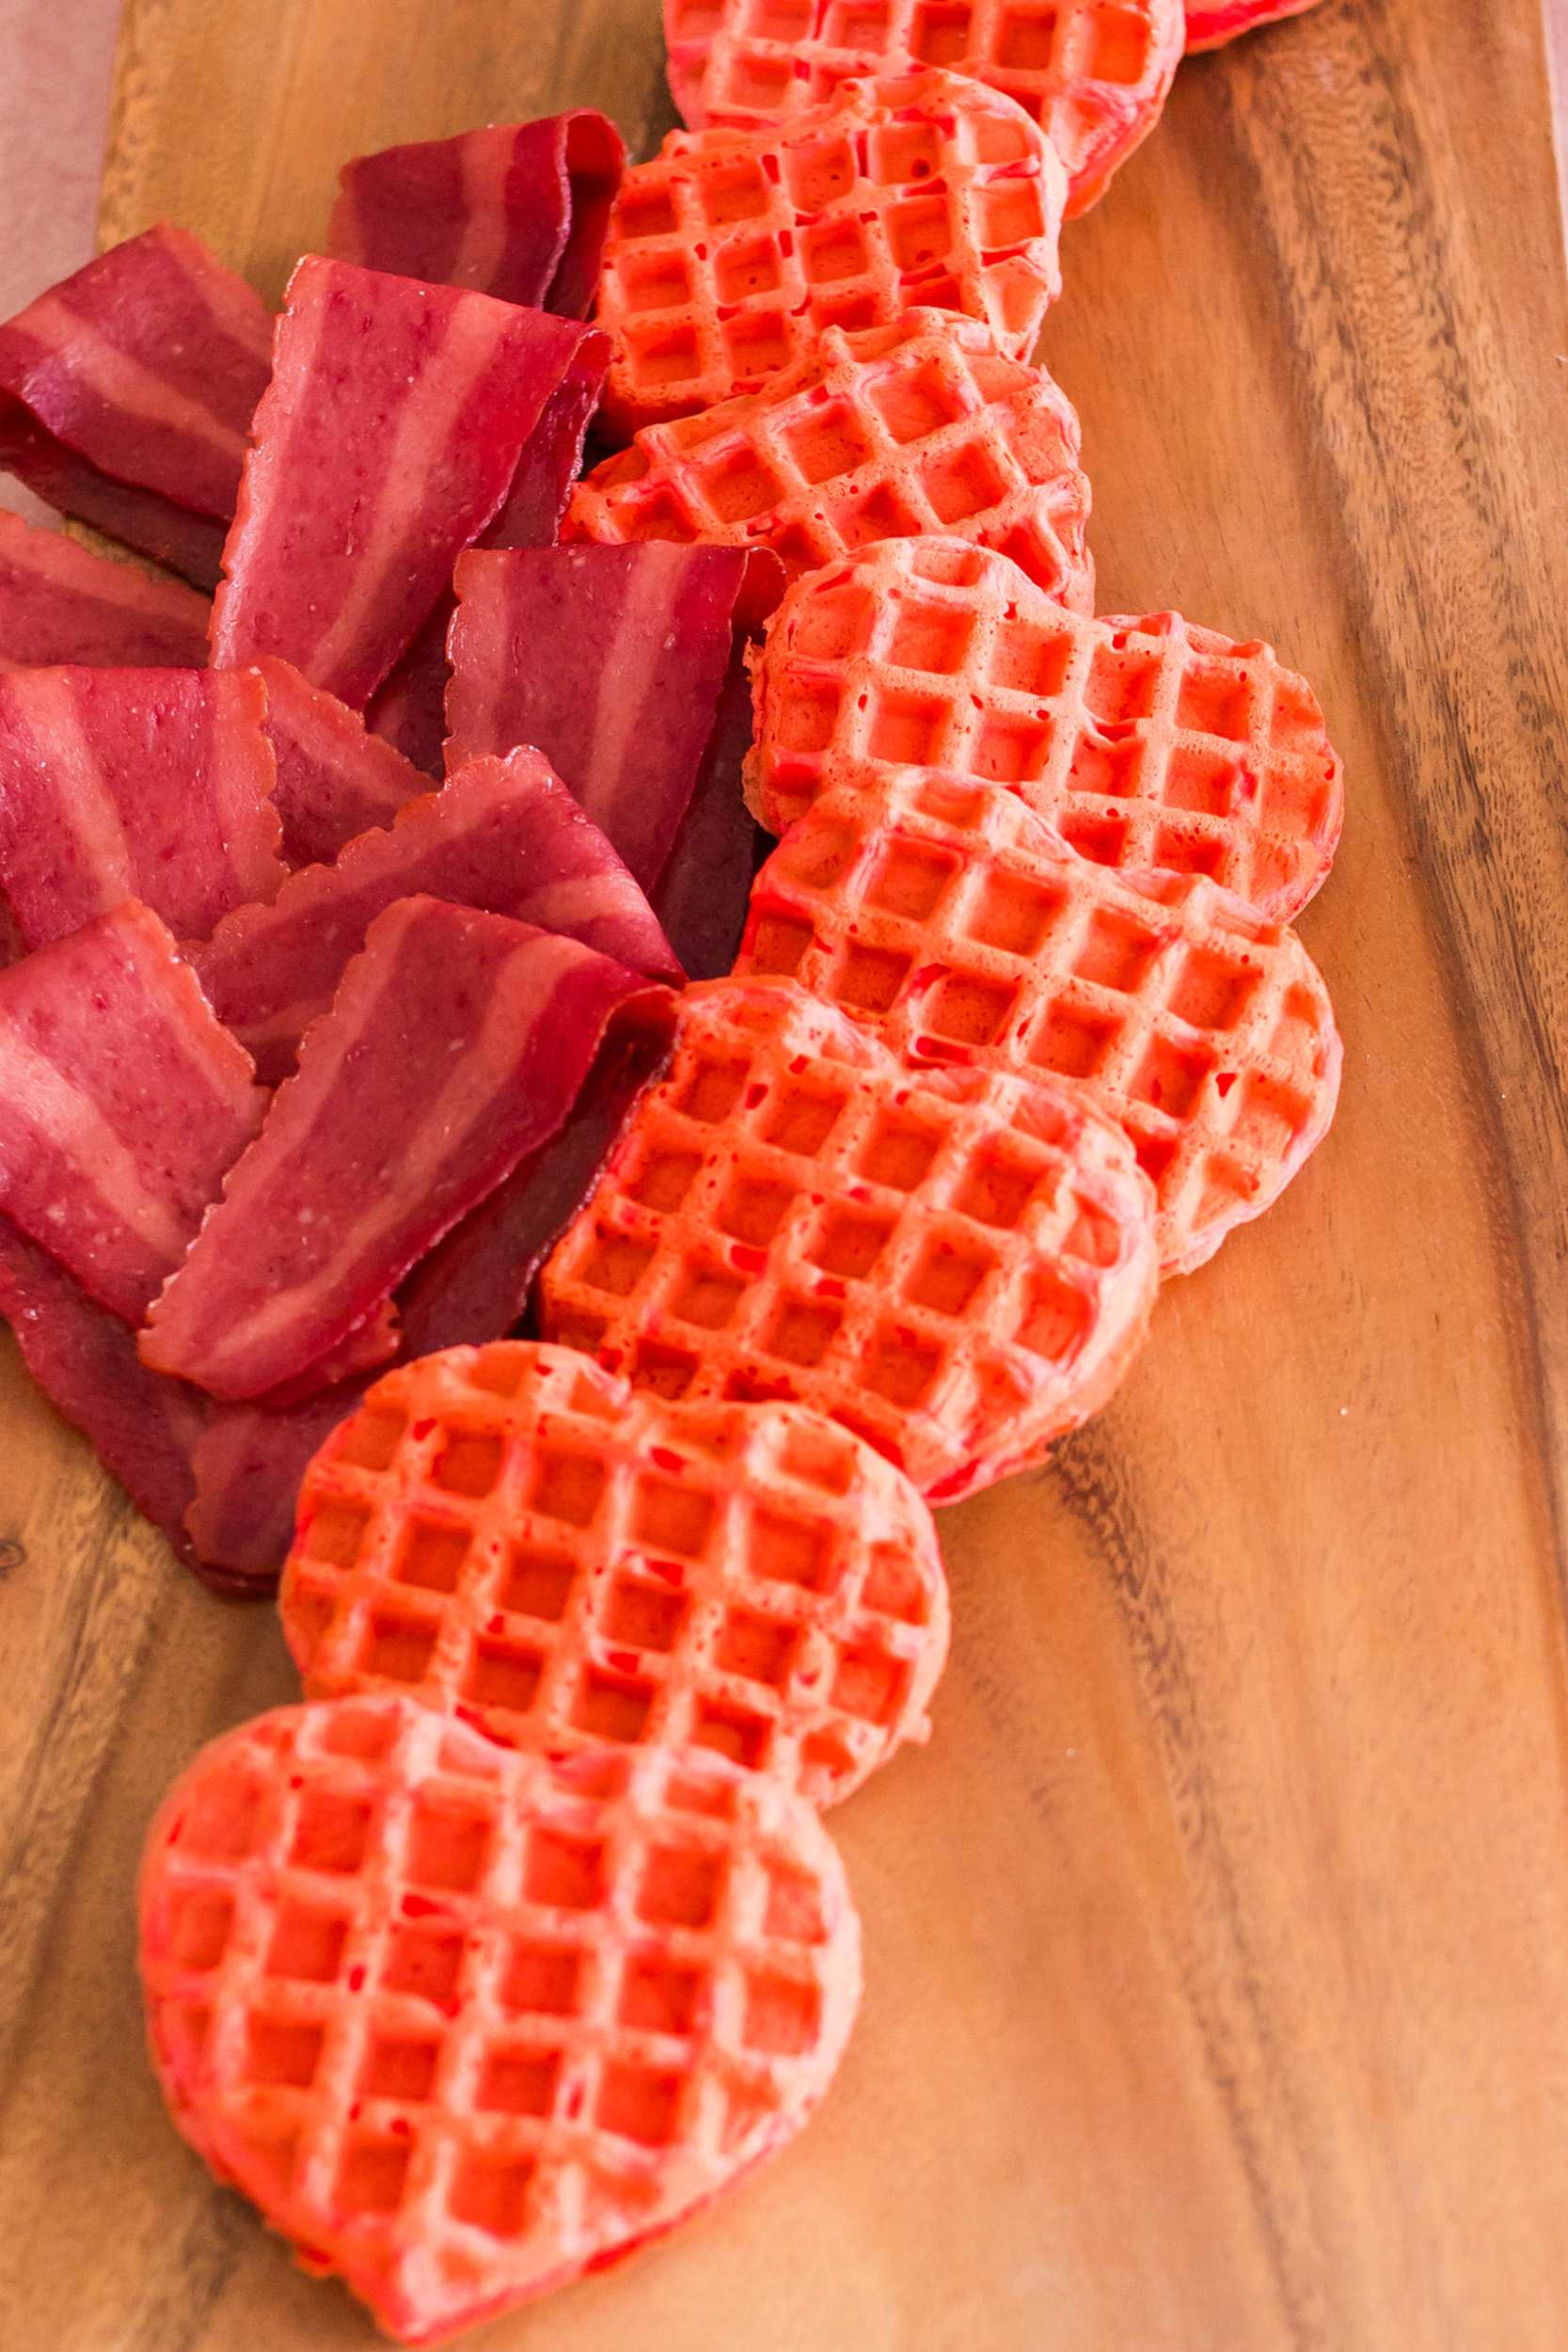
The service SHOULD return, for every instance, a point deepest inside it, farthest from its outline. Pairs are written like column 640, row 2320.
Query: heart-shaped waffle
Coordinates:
column 464, row 2022
column 514, row 1535
column 947, row 916
column 1143, row 743
column 1093, row 77
column 955, row 1265
column 892, row 434
column 732, row 251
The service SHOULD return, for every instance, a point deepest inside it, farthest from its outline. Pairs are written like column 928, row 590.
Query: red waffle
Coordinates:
column 1093, row 73
column 464, row 2022
column 955, row 1265
column 513, row 1534
column 969, row 935
column 1210, row 23
column 730, row 252
column 1144, row 742
column 894, row 433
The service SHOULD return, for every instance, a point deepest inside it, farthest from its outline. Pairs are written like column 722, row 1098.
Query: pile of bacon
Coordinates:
column 344, row 912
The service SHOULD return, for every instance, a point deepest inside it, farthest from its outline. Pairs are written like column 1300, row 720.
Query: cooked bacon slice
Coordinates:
column 456, row 1043
column 142, row 1427
column 133, row 784
column 191, row 545
column 409, row 711
column 123, row 1102
column 549, row 468
column 504, row 836
column 474, row 1286
column 519, row 210
column 704, row 894
column 610, row 660
column 148, row 364
column 61, row 603
column 386, row 441
column 335, row 780
column 245, row 1468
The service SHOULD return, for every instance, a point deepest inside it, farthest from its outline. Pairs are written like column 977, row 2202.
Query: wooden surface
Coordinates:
column 1218, row 1945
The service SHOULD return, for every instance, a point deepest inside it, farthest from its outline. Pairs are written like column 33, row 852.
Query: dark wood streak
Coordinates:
column 1223, row 1984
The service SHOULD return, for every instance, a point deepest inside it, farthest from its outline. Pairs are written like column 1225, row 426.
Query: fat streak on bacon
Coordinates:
column 515, row 210
column 456, row 1043
column 387, row 440
column 142, row 369
column 504, row 836
column 122, row 1103
column 148, row 784
column 59, row 602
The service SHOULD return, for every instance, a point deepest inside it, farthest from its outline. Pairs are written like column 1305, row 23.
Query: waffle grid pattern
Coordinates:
column 570, row 1564
column 1093, row 76
column 1142, row 742
column 729, row 252
column 946, row 914
column 441, row 2006
column 956, row 1271
column 897, row 433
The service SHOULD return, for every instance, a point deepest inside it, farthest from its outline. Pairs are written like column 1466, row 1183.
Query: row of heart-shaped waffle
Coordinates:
column 521, row 1938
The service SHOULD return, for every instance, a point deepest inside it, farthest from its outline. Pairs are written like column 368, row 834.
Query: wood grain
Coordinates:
column 1216, row 1947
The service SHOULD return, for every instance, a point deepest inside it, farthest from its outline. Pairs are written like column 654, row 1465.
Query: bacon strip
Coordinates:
column 409, row 711
column 474, row 1286
column 123, row 1102
column 519, row 210
column 142, row 1427
column 146, row 783
column 456, row 1043
column 504, row 836
column 334, row 779
column 60, row 603
column 148, row 363
column 245, row 1468
column 191, row 545
column 704, row 894
column 385, row 443
column 610, row 660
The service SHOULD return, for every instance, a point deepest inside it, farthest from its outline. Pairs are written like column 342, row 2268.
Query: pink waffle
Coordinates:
column 1144, row 742
column 1093, row 73
column 892, row 434
column 956, row 1266
column 466, row 2022
column 731, row 251
column 514, row 1535
column 947, row 916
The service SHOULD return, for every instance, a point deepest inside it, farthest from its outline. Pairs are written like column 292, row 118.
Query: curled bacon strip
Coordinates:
column 456, row 1043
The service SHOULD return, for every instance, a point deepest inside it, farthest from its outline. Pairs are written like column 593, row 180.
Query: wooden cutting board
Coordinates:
column 1218, row 1945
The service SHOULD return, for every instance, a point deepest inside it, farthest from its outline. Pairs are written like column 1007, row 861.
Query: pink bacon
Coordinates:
column 387, row 440
column 61, row 603
column 147, row 784
column 334, row 779
column 456, row 1043
column 504, row 836
column 519, row 210
column 146, row 366
column 409, row 711
column 122, row 1103
column 610, row 660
